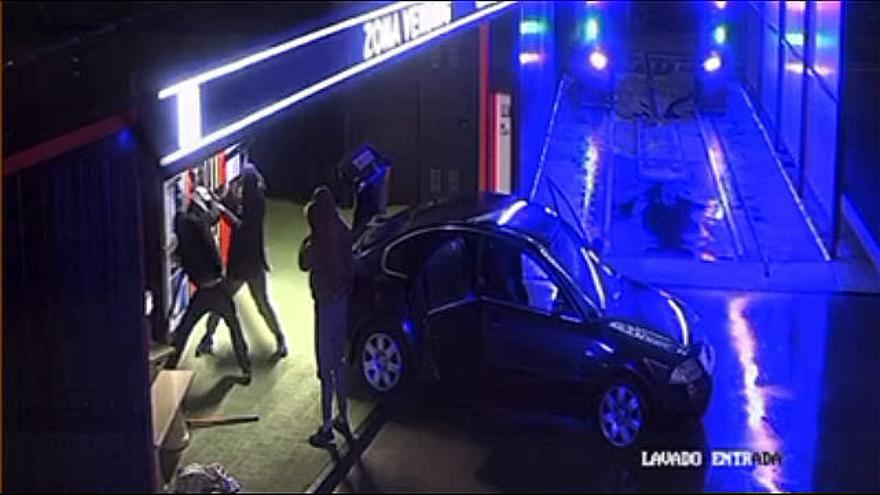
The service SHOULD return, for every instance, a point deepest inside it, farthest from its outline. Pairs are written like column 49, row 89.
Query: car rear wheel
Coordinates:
column 622, row 414
column 383, row 359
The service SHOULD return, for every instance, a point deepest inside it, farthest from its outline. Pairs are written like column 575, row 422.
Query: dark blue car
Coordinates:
column 496, row 283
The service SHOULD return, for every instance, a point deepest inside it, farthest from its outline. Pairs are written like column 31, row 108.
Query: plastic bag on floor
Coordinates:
column 211, row 478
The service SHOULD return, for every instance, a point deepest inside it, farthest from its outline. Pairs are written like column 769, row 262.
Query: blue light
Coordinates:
column 124, row 139
column 605, row 347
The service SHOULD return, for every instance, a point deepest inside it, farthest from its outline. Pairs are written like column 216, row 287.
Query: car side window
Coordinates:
column 405, row 257
column 447, row 275
column 509, row 274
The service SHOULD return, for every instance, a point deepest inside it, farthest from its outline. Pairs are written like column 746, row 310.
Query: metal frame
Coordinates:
column 840, row 154
column 807, row 60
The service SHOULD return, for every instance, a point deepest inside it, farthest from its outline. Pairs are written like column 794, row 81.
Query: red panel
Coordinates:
column 225, row 228
column 483, row 172
column 66, row 142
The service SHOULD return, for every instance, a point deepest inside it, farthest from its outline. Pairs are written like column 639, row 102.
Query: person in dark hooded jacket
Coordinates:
column 201, row 262
column 326, row 255
column 247, row 255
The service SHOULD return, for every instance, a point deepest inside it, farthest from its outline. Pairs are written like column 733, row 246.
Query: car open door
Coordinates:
column 444, row 304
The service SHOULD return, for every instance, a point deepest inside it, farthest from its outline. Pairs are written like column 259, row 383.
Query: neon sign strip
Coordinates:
column 317, row 87
column 279, row 49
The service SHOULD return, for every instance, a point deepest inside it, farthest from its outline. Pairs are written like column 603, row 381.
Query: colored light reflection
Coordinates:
column 720, row 34
column 511, row 211
column 720, row 4
column 592, row 29
column 762, row 437
column 591, row 169
column 532, row 27
column 598, row 59
column 712, row 63
column 800, row 6
column 797, row 39
column 798, row 68
column 530, row 58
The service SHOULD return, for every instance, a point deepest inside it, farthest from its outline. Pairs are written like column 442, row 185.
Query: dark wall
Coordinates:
column 421, row 111
column 76, row 394
column 861, row 111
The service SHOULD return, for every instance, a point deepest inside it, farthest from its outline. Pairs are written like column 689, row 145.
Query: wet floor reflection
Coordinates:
column 795, row 374
column 762, row 438
column 672, row 222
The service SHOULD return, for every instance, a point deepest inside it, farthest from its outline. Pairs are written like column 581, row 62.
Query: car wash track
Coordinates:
column 675, row 196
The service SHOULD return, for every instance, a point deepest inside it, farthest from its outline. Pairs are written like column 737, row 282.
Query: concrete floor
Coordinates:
column 795, row 374
column 272, row 454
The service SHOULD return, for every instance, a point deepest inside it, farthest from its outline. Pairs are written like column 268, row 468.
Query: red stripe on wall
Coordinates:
column 224, row 225
column 483, row 172
column 66, row 142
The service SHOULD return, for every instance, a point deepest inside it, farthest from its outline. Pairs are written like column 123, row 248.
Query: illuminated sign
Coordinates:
column 403, row 26
column 211, row 107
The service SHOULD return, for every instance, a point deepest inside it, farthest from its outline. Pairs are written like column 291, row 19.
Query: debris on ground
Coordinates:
column 210, row 478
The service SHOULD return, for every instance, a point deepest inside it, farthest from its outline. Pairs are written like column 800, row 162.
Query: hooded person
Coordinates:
column 326, row 255
column 247, row 255
column 201, row 263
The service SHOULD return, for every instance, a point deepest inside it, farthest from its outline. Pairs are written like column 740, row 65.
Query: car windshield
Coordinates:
column 594, row 278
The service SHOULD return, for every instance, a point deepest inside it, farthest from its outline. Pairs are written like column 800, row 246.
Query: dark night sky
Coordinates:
column 67, row 64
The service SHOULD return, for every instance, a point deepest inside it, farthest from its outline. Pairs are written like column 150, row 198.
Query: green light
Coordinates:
column 532, row 27
column 720, row 35
column 592, row 29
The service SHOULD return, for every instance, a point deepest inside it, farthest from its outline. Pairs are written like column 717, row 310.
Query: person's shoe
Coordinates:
column 343, row 428
column 245, row 377
column 206, row 346
column 321, row 439
column 281, row 351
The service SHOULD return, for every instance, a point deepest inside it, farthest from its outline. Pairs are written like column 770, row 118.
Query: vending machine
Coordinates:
column 214, row 173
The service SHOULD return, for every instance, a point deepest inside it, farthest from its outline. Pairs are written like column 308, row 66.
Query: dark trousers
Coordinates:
column 217, row 300
column 331, row 329
column 260, row 294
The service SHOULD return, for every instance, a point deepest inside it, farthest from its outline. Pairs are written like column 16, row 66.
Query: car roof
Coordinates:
column 461, row 209
column 483, row 210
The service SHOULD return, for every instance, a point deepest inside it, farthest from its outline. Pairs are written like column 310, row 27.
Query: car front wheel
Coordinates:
column 622, row 414
column 383, row 361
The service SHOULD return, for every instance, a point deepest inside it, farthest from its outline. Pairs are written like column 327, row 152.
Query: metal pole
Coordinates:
column 780, row 68
column 840, row 155
column 807, row 59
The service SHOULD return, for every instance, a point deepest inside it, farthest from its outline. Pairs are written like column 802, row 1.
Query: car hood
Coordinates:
column 653, row 309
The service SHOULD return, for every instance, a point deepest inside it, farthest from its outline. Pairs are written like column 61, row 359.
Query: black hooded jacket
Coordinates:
column 196, row 247
column 326, row 253
column 247, row 250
